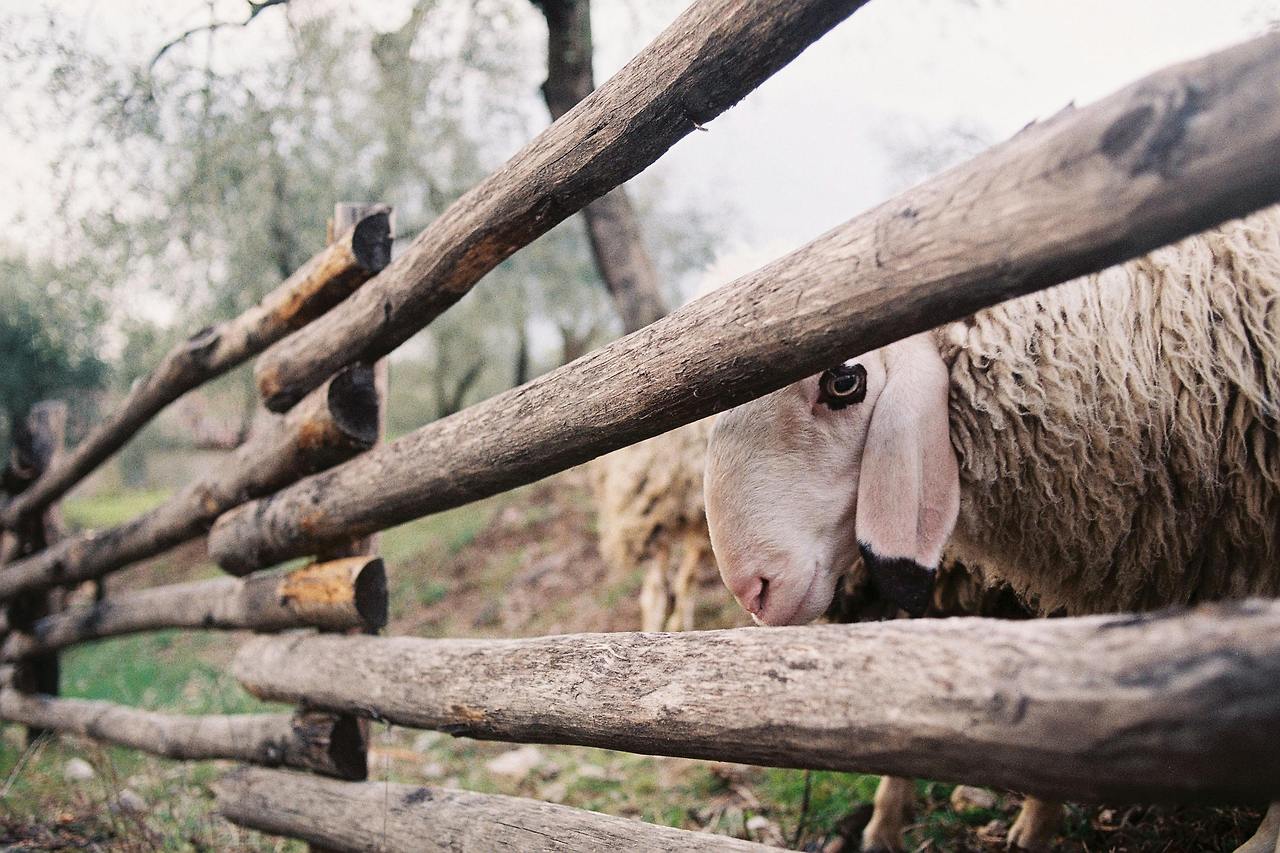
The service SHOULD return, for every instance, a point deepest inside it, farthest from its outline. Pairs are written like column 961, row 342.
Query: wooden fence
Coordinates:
column 1171, row 707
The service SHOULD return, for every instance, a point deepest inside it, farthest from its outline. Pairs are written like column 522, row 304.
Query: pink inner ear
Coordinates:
column 909, row 483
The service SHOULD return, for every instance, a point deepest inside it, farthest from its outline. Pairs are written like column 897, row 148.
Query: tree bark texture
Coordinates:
column 613, row 229
column 324, row 281
column 1171, row 155
column 339, row 595
column 393, row 818
column 1168, row 707
column 707, row 60
column 304, row 741
column 337, row 421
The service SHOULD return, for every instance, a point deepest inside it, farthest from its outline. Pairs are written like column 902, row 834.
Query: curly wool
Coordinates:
column 1117, row 434
column 649, row 495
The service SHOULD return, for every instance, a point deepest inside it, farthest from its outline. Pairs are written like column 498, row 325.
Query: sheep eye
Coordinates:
column 842, row 386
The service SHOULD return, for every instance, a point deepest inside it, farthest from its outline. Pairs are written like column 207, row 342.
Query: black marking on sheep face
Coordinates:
column 901, row 580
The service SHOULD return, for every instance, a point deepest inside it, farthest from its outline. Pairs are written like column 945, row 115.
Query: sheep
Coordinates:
column 1109, row 444
column 650, row 513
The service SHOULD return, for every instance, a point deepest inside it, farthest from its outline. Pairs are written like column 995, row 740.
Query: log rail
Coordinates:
column 1162, row 708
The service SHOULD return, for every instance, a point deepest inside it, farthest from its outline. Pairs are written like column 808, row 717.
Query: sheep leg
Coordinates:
column 1036, row 826
column 895, row 800
column 682, row 589
column 1267, row 838
column 655, row 598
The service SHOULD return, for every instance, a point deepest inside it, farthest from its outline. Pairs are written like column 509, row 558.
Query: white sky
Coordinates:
column 809, row 149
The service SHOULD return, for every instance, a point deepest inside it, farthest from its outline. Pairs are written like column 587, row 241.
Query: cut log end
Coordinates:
column 353, row 404
column 371, row 240
column 371, row 595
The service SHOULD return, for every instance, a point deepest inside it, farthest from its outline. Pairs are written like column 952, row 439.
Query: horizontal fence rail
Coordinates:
column 325, row 280
column 340, row 595
column 1162, row 708
column 390, row 818
column 335, row 422
column 304, row 741
column 710, row 57
column 1166, row 157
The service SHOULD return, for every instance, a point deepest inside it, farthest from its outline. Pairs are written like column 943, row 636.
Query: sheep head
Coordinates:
column 857, row 456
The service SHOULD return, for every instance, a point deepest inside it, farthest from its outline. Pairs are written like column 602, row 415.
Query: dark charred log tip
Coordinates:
column 371, row 240
column 371, row 594
column 901, row 580
column 348, row 748
column 353, row 403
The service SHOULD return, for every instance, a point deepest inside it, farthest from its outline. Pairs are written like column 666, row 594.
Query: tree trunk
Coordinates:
column 391, row 818
column 1168, row 707
column 347, row 593
column 612, row 225
column 305, row 741
column 1068, row 197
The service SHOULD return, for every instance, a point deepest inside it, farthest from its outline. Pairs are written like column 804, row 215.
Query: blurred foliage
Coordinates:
column 50, row 335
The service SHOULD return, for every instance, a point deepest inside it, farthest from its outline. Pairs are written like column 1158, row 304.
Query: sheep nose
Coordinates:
column 751, row 594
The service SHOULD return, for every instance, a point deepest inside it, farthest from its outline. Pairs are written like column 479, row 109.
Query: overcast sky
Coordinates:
column 813, row 146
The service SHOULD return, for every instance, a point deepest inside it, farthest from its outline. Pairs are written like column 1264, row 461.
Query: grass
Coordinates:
column 108, row 510
column 163, row 670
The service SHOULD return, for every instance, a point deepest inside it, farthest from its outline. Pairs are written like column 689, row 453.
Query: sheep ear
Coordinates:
column 909, row 484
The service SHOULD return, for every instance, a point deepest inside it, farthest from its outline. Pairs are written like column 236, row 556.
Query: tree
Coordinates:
column 612, row 225
column 49, row 338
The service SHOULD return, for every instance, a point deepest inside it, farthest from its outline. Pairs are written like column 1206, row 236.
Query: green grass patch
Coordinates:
column 164, row 670
column 831, row 796
column 108, row 510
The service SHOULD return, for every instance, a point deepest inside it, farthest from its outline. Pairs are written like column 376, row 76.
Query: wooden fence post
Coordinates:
column 351, row 736
column 36, row 444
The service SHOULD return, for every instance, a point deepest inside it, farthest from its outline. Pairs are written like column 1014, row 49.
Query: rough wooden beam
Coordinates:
column 1175, row 153
column 335, row 422
column 303, row 740
column 707, row 60
column 349, row 593
column 1167, row 707
column 390, row 818
column 322, row 282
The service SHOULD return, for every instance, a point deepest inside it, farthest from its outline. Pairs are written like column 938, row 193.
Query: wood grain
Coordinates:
column 1167, row 707
column 303, row 741
column 392, row 818
column 339, row 595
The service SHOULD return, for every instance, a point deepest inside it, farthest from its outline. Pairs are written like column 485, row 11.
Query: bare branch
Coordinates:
column 255, row 9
